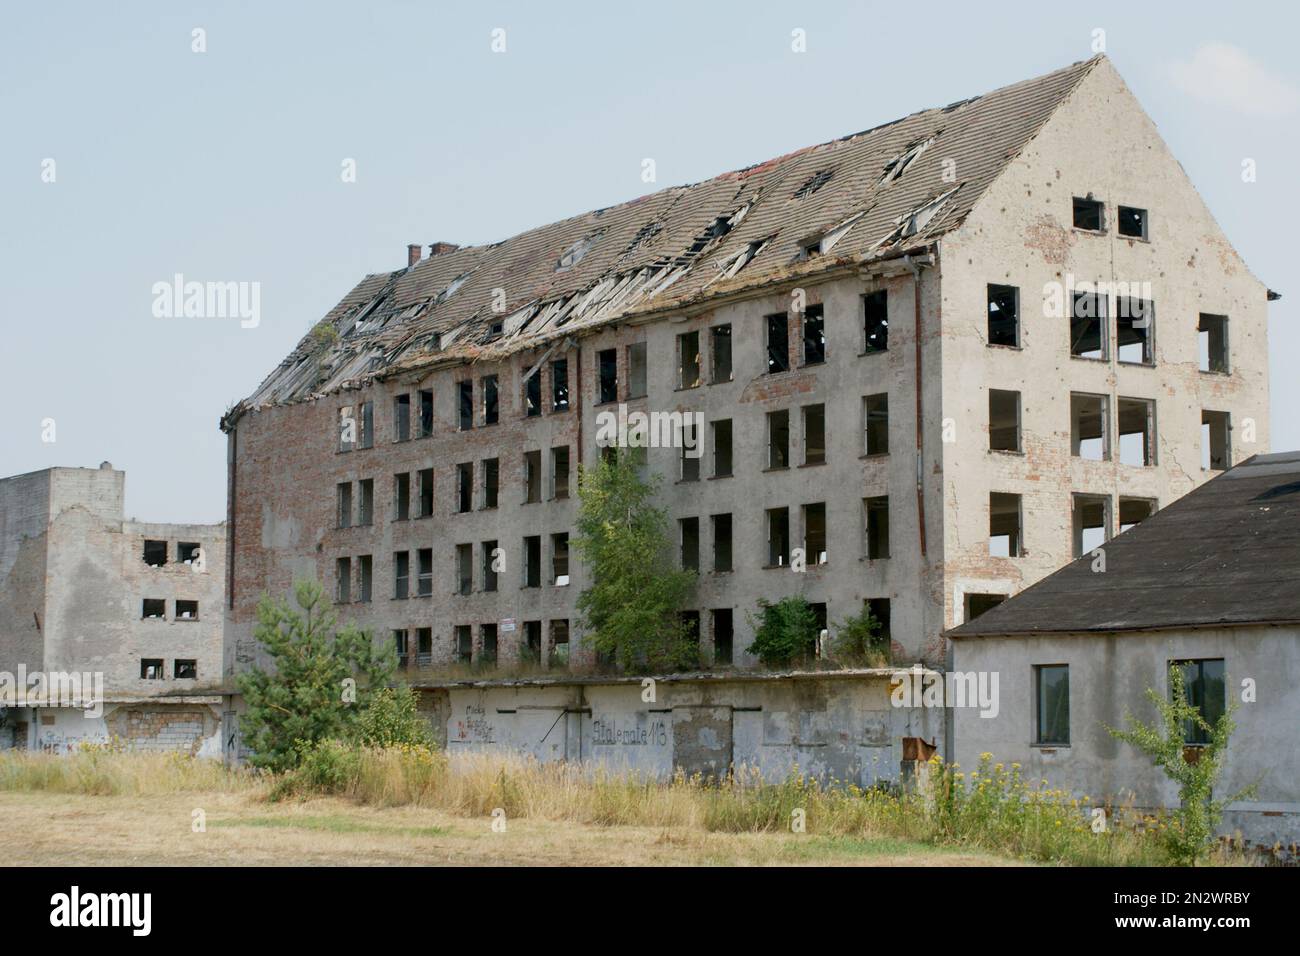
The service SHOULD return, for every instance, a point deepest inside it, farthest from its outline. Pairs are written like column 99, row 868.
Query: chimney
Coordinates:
column 412, row 254
column 438, row 248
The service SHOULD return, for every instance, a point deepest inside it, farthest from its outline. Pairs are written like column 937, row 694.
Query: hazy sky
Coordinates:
column 226, row 164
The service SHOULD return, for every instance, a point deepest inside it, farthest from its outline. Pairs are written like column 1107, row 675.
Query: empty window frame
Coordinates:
column 1089, row 335
column 1133, row 511
column 778, row 439
column 426, row 492
column 153, row 608
column 1089, row 214
column 1137, row 431
column 401, row 575
column 875, row 424
column 424, row 572
column 188, row 552
column 778, row 343
column 187, row 610
column 400, row 646
column 426, row 413
column 487, row 636
column 637, row 371
column 344, row 497
column 1004, row 420
column 464, row 568
column 491, row 482
column 560, row 559
column 875, row 322
column 879, row 607
column 533, row 395
column 1132, row 222
column 1212, row 342
column 367, row 436
column 778, row 537
column 488, row 565
column 465, row 404
column 977, row 604
column 532, row 477
column 1216, row 440
column 151, row 668
column 533, row 561
column 532, row 647
column 814, row 533
column 560, row 472
column 559, row 655
column 401, row 497
column 1135, row 323
column 1052, row 705
column 691, row 452
column 491, row 400
column 1005, row 524
column 1004, row 315
column 721, row 527
column 366, row 502
column 560, row 385
column 688, row 360
column 464, row 644
column 721, row 432
column 1089, row 417
column 1091, row 523
column 875, row 525
column 185, row 669
column 720, row 352
column 814, row 335
column 365, row 576
column 464, row 487
column 423, row 646
column 343, row 580
column 1206, row 690
column 347, row 428
column 814, row 434
column 688, row 538
column 402, row 417
column 722, row 625
column 155, row 553
column 607, row 375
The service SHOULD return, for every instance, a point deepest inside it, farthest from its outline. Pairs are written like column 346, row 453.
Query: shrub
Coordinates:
column 786, row 631
column 859, row 641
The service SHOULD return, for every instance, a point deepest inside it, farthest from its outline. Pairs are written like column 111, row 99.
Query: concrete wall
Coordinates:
column 191, row 728
column 1108, row 678
column 72, row 585
column 830, row 727
column 1021, row 234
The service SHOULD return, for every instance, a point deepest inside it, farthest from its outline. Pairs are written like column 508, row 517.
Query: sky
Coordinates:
column 135, row 148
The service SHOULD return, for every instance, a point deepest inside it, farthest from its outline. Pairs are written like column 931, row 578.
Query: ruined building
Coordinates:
column 942, row 357
column 119, row 623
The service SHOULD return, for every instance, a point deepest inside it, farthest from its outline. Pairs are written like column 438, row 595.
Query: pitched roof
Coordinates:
column 874, row 194
column 1227, row 553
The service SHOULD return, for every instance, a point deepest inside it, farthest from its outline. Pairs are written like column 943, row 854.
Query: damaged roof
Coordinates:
column 1225, row 554
column 872, row 195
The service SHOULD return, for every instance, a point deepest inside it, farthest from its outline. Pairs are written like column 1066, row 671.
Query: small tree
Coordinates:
column 1194, row 770
column 859, row 640
column 392, row 718
column 630, row 611
column 785, row 631
column 314, row 690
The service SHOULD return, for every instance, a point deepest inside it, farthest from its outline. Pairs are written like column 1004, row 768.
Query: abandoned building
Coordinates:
column 934, row 361
column 109, row 628
column 1210, row 584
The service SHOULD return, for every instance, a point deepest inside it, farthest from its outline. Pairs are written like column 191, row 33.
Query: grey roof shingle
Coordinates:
column 672, row 247
column 1227, row 553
